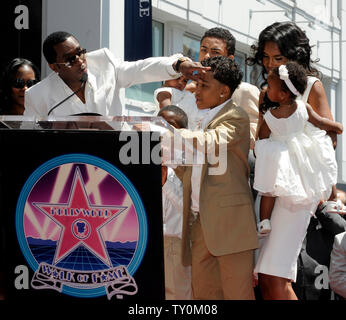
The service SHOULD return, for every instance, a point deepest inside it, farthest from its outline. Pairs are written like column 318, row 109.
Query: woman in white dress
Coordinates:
column 277, row 44
column 295, row 167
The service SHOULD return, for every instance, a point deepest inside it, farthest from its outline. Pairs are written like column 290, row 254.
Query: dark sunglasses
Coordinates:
column 70, row 61
column 21, row 83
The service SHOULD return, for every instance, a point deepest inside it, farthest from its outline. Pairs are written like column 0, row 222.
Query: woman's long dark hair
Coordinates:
column 292, row 43
column 8, row 77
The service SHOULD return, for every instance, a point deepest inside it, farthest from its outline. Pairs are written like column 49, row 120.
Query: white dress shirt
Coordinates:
column 172, row 203
column 197, row 169
column 106, row 76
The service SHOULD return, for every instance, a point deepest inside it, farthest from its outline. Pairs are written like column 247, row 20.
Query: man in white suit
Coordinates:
column 94, row 77
column 337, row 269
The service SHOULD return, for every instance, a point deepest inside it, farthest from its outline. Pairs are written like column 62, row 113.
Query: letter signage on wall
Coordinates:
column 21, row 26
column 138, row 33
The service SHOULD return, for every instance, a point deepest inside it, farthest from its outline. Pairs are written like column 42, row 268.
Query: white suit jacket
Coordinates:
column 337, row 269
column 106, row 76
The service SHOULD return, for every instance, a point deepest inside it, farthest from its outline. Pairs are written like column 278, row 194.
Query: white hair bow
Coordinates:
column 284, row 75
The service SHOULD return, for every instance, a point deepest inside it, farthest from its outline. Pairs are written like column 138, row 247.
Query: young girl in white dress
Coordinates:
column 295, row 170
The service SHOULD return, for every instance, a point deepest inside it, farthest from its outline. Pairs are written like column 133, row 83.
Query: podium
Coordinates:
column 81, row 209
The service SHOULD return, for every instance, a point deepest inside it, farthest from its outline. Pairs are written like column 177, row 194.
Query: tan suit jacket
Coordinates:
column 226, row 204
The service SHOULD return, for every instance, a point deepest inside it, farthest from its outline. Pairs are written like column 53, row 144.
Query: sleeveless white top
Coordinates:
column 311, row 81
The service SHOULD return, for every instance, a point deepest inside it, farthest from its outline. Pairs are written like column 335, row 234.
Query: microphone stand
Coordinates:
column 83, row 80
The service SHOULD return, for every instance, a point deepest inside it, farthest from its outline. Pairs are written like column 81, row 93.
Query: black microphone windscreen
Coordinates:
column 84, row 77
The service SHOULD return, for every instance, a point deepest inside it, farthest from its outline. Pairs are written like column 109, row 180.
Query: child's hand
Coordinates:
column 141, row 126
column 164, row 98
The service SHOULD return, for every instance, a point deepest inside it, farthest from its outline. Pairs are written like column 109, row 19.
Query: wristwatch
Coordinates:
column 179, row 62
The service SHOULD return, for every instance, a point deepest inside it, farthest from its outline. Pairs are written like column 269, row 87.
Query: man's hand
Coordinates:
column 189, row 69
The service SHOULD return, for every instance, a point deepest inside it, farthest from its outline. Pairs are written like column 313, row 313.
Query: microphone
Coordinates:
column 83, row 80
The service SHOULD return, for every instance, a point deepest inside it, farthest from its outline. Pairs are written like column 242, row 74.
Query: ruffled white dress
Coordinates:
column 297, row 165
column 297, row 162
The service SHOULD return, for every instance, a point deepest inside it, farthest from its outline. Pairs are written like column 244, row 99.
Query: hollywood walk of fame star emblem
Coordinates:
column 80, row 222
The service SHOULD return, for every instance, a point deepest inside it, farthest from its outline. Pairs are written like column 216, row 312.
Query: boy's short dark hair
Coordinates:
column 225, row 70
column 223, row 34
column 52, row 40
column 180, row 113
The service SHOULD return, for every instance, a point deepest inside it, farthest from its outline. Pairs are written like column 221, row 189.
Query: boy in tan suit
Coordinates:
column 219, row 231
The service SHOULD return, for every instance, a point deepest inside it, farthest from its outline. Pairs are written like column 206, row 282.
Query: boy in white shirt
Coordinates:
column 177, row 276
column 173, row 93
